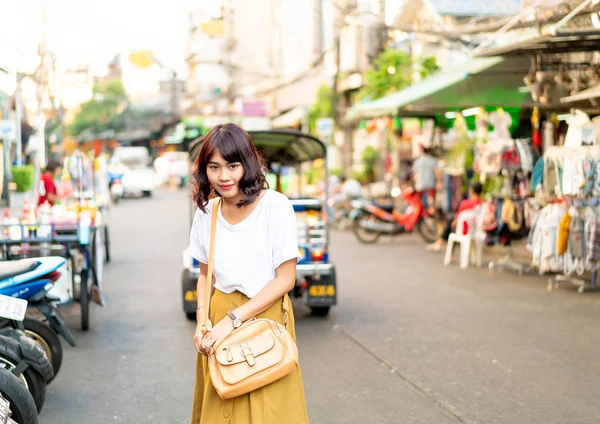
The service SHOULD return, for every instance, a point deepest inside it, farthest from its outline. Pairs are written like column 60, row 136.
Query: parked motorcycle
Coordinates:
column 30, row 279
column 16, row 403
column 22, row 355
column 371, row 220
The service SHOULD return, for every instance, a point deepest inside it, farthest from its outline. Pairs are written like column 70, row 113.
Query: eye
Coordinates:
column 233, row 166
column 213, row 167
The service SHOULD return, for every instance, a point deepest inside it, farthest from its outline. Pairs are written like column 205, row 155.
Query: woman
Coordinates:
column 256, row 250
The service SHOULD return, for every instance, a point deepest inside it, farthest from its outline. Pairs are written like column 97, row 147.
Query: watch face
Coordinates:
column 237, row 323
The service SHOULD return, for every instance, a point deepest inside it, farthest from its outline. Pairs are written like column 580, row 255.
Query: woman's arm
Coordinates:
column 201, row 311
column 284, row 281
column 201, row 290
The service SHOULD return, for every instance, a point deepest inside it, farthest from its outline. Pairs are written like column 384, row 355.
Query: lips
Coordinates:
column 226, row 187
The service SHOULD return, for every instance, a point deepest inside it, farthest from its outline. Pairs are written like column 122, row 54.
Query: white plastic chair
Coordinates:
column 470, row 218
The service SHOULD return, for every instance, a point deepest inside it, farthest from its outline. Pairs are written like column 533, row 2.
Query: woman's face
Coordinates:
column 223, row 176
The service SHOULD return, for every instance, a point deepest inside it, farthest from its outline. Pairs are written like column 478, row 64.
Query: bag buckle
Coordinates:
column 247, row 353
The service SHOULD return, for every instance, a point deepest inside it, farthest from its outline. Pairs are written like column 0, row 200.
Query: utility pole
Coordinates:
column 318, row 28
column 229, row 53
column 382, row 27
column 341, row 13
column 42, row 86
column 18, row 109
column 5, row 148
column 174, row 108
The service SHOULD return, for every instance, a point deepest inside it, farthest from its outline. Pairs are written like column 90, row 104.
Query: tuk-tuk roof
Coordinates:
column 286, row 147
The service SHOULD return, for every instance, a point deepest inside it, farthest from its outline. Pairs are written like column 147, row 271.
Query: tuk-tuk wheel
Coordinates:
column 191, row 316
column 320, row 311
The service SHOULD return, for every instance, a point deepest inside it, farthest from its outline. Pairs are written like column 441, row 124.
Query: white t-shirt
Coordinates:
column 247, row 253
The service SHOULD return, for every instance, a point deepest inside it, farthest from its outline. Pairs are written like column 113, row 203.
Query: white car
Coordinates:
column 139, row 175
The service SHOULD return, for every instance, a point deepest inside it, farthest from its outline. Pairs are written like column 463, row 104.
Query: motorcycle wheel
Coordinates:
column 84, row 300
column 363, row 235
column 30, row 378
column 22, row 405
column 320, row 311
column 49, row 341
column 428, row 229
column 106, row 245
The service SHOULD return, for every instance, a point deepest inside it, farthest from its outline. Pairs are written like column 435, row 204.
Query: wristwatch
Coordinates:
column 236, row 321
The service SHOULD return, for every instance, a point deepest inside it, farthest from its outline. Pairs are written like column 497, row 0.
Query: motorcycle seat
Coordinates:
column 387, row 208
column 9, row 269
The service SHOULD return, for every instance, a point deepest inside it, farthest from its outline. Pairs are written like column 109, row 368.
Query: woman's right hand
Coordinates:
column 198, row 335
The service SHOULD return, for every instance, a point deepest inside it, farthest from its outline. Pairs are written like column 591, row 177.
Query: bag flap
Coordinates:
column 232, row 354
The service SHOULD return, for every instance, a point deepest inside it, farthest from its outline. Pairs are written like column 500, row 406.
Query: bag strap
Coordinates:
column 211, row 257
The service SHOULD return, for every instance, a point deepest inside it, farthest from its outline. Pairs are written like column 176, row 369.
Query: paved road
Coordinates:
column 410, row 342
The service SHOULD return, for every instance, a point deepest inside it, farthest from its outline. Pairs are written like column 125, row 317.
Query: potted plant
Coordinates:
column 369, row 158
column 20, row 189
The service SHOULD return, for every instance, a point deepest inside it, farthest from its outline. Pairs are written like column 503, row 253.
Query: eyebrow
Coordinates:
column 217, row 163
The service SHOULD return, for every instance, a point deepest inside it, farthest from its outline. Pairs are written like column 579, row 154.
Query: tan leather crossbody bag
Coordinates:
column 258, row 353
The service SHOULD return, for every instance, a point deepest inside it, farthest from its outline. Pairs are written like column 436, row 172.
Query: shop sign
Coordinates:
column 7, row 128
column 325, row 127
column 254, row 108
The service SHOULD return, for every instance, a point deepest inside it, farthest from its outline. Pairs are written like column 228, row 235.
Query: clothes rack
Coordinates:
column 579, row 199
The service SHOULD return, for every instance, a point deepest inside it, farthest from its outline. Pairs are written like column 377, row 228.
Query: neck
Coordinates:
column 232, row 201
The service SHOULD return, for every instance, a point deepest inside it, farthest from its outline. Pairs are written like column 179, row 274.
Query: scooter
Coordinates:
column 371, row 220
column 30, row 279
column 115, row 186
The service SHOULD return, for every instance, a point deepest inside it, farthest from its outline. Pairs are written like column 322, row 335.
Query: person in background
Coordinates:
column 47, row 188
column 472, row 202
column 350, row 188
column 425, row 177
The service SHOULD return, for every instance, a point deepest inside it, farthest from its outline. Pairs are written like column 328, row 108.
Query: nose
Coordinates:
column 224, row 176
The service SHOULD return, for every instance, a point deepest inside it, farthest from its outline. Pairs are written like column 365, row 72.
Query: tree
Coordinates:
column 394, row 71
column 322, row 107
column 100, row 113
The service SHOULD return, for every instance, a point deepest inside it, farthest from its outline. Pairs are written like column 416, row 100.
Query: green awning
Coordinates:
column 490, row 81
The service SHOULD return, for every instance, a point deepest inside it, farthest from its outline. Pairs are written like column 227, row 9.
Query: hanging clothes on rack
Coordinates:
column 566, row 236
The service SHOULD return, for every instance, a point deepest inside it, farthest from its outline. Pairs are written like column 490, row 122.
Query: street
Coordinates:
column 409, row 342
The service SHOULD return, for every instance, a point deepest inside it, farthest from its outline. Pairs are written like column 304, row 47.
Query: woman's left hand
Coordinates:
column 215, row 336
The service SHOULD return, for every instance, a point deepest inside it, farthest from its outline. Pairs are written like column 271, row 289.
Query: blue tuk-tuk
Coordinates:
column 315, row 273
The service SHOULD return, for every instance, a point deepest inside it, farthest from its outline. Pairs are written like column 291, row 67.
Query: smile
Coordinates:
column 226, row 187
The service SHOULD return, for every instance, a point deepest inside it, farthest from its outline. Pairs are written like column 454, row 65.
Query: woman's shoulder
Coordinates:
column 199, row 215
column 277, row 200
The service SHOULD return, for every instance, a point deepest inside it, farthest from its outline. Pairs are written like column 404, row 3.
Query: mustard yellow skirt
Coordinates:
column 280, row 402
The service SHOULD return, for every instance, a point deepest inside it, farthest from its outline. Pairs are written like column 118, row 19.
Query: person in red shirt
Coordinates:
column 472, row 202
column 47, row 188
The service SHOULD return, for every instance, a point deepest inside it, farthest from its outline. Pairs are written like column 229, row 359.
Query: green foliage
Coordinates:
column 428, row 66
column 369, row 157
column 100, row 113
column 361, row 177
column 393, row 71
column 310, row 175
column 322, row 107
column 338, row 172
column 23, row 177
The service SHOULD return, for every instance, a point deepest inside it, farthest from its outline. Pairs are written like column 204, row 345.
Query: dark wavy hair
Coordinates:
column 235, row 145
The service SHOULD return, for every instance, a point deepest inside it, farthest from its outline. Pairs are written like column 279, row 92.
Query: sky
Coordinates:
column 85, row 31
column 94, row 31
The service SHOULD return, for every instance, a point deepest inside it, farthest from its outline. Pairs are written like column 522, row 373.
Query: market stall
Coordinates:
column 66, row 231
